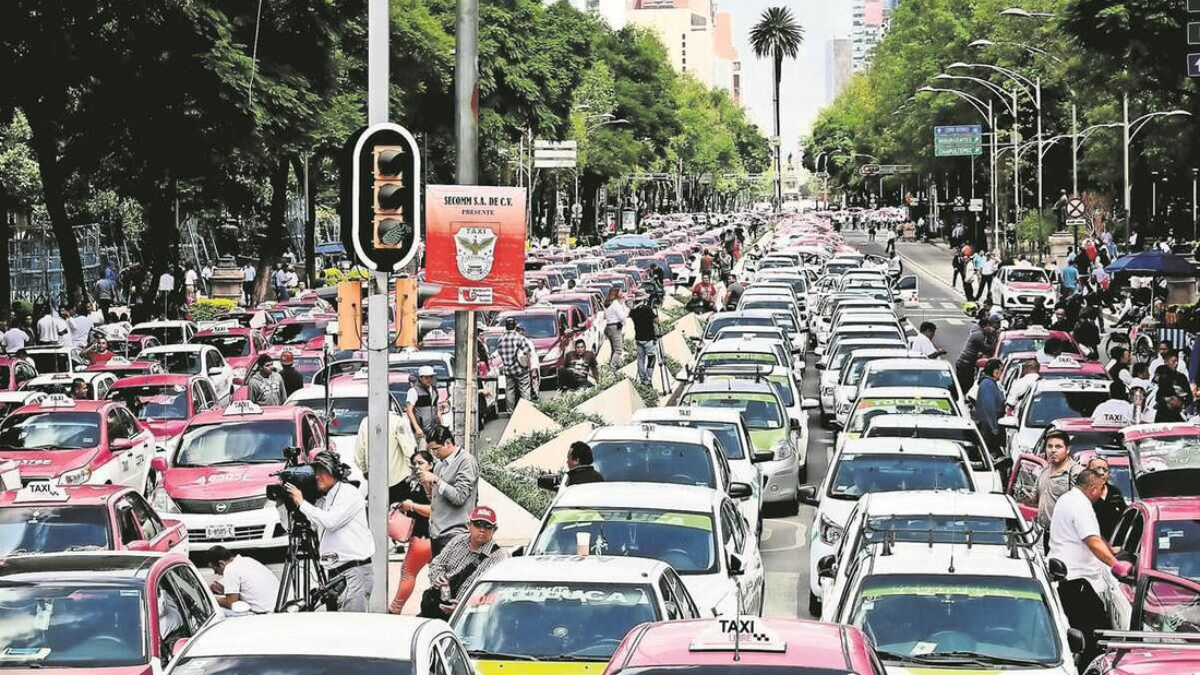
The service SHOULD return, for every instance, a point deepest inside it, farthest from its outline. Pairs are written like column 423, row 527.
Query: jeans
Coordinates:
column 616, row 339
column 985, row 286
column 647, row 353
column 356, row 596
column 516, row 387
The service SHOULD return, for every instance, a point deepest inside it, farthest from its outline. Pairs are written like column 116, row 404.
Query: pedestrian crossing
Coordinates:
column 933, row 305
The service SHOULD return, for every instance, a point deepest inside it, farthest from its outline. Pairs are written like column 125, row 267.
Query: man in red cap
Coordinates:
column 462, row 561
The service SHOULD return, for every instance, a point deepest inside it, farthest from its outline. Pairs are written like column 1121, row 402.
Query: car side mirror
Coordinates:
column 178, row 646
column 807, row 494
column 1075, row 640
column 118, row 444
column 138, row 545
column 820, row 365
column 827, row 567
column 759, row 457
column 549, row 481
column 1057, row 569
column 517, row 552
column 740, row 490
column 1124, row 571
column 158, row 464
column 794, row 424
column 737, row 566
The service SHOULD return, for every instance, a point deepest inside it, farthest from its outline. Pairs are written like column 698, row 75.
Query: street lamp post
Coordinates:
column 1130, row 131
column 1154, row 195
column 1195, row 175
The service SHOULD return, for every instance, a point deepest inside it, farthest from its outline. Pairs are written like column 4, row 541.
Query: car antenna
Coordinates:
column 951, row 570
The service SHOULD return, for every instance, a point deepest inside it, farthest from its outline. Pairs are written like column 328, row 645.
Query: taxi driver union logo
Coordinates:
column 476, row 251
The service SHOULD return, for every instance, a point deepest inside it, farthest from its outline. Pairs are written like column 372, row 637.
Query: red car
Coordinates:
column 1029, row 340
column 745, row 644
column 217, row 475
column 14, row 373
column 553, row 331
column 1156, row 535
column 101, row 612
column 1164, row 631
column 239, row 346
column 122, row 367
column 164, row 403
column 45, row 518
column 73, row 442
column 301, row 334
column 1088, row 439
column 1164, row 459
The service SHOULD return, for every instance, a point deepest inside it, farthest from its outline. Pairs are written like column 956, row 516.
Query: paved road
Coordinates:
column 785, row 543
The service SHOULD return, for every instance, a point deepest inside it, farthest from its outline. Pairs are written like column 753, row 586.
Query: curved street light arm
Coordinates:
column 1026, row 85
column 1002, row 95
column 1136, row 126
column 978, row 104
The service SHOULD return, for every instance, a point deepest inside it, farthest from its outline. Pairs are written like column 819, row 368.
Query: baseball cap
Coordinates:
column 510, row 323
column 426, row 371
column 287, row 357
column 483, row 514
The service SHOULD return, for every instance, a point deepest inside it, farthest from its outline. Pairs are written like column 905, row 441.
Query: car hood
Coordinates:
column 765, row 439
column 49, row 463
column 240, row 361
column 1030, row 286
column 118, row 670
column 220, row 482
column 965, row 670
column 544, row 344
column 164, row 429
column 710, row 592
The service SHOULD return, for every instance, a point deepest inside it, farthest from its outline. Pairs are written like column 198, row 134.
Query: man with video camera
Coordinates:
column 340, row 517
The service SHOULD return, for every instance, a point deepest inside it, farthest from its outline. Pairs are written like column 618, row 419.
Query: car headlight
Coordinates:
column 76, row 476
column 162, row 502
column 831, row 532
column 782, row 450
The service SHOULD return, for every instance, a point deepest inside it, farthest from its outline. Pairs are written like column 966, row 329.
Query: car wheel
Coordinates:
column 814, row 605
column 791, row 507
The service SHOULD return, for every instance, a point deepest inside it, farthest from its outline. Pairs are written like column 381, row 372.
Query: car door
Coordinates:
column 100, row 386
column 142, row 451
column 1128, row 538
column 128, row 528
column 170, row 625
column 1022, row 484
column 219, row 372
column 159, row 535
column 1165, row 603
column 453, row 657
column 210, row 394
column 196, row 602
column 118, row 466
column 736, row 541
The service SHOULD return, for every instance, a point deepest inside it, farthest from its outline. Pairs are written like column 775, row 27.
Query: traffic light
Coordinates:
column 381, row 197
column 349, row 315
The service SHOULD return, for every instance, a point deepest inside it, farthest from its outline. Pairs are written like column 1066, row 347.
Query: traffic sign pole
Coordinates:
column 466, row 113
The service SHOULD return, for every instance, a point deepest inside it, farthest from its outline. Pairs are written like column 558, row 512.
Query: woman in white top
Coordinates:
column 615, row 313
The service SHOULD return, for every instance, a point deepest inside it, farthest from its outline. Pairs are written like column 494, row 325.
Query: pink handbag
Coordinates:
column 400, row 526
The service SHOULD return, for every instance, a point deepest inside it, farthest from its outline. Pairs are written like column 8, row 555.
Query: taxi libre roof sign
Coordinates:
column 41, row 491
column 743, row 633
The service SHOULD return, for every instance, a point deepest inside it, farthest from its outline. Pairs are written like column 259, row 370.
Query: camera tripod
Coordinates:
column 301, row 568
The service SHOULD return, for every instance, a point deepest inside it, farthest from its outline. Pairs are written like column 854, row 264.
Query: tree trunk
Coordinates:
column 44, row 139
column 162, row 232
column 778, row 191
column 309, row 182
column 272, row 243
column 5, row 269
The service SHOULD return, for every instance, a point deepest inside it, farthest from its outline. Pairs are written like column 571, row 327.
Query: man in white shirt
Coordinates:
column 51, row 328
column 1116, row 411
column 1164, row 348
column 340, row 516
column 922, row 342
column 14, row 339
column 1075, row 540
column 1031, row 372
column 80, row 325
column 242, row 579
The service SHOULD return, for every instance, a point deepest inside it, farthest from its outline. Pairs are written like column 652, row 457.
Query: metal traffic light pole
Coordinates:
column 466, row 115
column 378, row 27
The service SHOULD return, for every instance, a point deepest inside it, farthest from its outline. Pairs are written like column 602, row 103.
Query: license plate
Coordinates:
column 216, row 532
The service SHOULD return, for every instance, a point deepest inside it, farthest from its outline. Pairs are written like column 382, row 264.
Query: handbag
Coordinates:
column 400, row 526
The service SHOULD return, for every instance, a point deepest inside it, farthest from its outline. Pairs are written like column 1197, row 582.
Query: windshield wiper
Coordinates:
column 966, row 656
column 504, row 656
column 893, row 656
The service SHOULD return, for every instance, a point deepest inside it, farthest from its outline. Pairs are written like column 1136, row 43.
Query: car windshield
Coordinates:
column 50, row 431
column 857, row 475
column 967, row 438
column 178, row 363
column 1048, row 406
column 1178, row 548
column 297, row 332
column 1028, row 275
column 934, row 378
column 440, row 370
column 236, row 442
column 295, row 664
column 1030, row 344
column 154, row 402
column 943, row 529
column 869, row 408
column 760, row 411
column 537, row 325
column 1090, row 440
column 684, row 540
column 346, row 413
column 50, row 362
column 718, row 322
column 713, row 358
column 558, row 621
column 651, row 461
column 52, row 529
column 728, row 434
column 932, row 619
column 166, row 335
column 228, row 345
column 47, row 626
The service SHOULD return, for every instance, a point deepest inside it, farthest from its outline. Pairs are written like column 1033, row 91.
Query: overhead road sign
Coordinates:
column 963, row 140
column 1193, row 65
column 883, row 169
column 555, row 154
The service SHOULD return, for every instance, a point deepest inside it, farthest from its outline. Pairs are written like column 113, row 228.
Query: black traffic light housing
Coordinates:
column 381, row 192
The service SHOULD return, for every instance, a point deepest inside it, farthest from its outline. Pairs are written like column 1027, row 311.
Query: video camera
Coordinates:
column 302, row 475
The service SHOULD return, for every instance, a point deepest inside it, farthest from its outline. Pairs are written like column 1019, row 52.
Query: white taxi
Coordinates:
column 1050, row 400
column 194, row 359
column 96, row 384
column 1021, row 287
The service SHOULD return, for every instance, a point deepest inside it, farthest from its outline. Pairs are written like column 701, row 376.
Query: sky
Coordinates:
column 802, row 90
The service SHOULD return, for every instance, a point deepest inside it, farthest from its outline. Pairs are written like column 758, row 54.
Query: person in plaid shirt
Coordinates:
column 516, row 357
column 464, row 559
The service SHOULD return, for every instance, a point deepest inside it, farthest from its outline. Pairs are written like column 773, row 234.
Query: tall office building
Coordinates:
column 870, row 22
column 838, row 56
column 727, row 65
column 686, row 28
column 614, row 12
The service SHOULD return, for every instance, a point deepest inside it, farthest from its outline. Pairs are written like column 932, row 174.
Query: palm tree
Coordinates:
column 777, row 35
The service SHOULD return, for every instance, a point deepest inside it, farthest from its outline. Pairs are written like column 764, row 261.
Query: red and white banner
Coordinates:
column 475, row 246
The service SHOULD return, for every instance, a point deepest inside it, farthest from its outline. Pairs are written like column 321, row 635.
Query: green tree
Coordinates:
column 776, row 36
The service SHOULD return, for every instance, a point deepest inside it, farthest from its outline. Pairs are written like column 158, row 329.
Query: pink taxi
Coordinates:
column 45, row 518
column 71, row 442
column 1029, row 340
column 744, row 644
column 1163, row 636
column 216, row 476
column 240, row 346
column 299, row 334
column 164, row 403
column 1089, row 438
column 122, row 367
column 100, row 612
column 1159, row 535
column 1164, row 459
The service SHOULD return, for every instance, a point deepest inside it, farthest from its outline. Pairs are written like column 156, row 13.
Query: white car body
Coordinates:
column 1019, row 287
column 212, row 365
column 1022, row 434
column 60, row 383
column 186, row 329
column 943, row 427
column 896, row 400
column 340, row 440
column 845, row 392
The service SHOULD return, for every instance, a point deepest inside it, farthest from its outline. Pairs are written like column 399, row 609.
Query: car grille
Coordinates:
column 220, row 506
column 246, row 533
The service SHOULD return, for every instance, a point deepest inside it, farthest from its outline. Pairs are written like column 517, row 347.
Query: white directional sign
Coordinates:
column 555, row 154
column 976, row 206
column 1193, row 65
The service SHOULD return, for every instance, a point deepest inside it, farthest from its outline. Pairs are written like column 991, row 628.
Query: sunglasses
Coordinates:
column 483, row 524
column 433, row 447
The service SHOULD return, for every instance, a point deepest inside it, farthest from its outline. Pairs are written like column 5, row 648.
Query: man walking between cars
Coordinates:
column 460, row 562
column 1056, row 479
column 989, row 408
column 980, row 343
column 516, row 358
column 645, row 335
column 453, row 487
column 1076, row 541
column 420, row 405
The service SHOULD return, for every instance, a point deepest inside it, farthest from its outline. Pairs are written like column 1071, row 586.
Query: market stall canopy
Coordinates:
column 1154, row 263
column 631, row 241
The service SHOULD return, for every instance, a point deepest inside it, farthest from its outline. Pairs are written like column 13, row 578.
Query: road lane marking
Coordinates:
column 770, row 526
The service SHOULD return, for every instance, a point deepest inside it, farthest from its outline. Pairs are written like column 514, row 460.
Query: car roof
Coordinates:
column 99, row 566
column 230, row 415
column 83, row 405
column 730, row 385
column 312, row 634
column 939, row 559
column 938, row 503
column 652, row 432
column 698, row 413
column 909, row 364
column 181, row 347
column 877, row 353
column 1071, row 384
column 161, row 323
column 86, row 376
column 1174, row 508
column 614, row 494
column 740, row 344
column 586, row 569
column 902, row 446
column 1083, row 424
column 810, row 644
column 904, row 392
column 78, row 495
column 153, row 380
column 1138, row 432
column 340, row 389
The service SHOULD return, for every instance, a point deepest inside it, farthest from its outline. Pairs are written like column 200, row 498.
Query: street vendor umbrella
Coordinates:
column 1154, row 263
column 631, row 241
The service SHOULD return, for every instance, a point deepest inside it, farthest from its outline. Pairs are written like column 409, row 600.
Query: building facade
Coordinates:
column 869, row 24
column 838, row 56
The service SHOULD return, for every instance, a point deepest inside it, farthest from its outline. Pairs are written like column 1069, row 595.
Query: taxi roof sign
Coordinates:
column 238, row 408
column 57, row 401
column 743, row 633
column 41, row 491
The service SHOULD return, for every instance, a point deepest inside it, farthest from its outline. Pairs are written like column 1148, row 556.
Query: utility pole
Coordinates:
column 378, row 33
column 466, row 125
column 1074, row 150
column 1128, row 189
column 1016, row 141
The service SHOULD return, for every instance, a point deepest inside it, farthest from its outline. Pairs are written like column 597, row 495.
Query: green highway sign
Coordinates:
column 964, row 140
